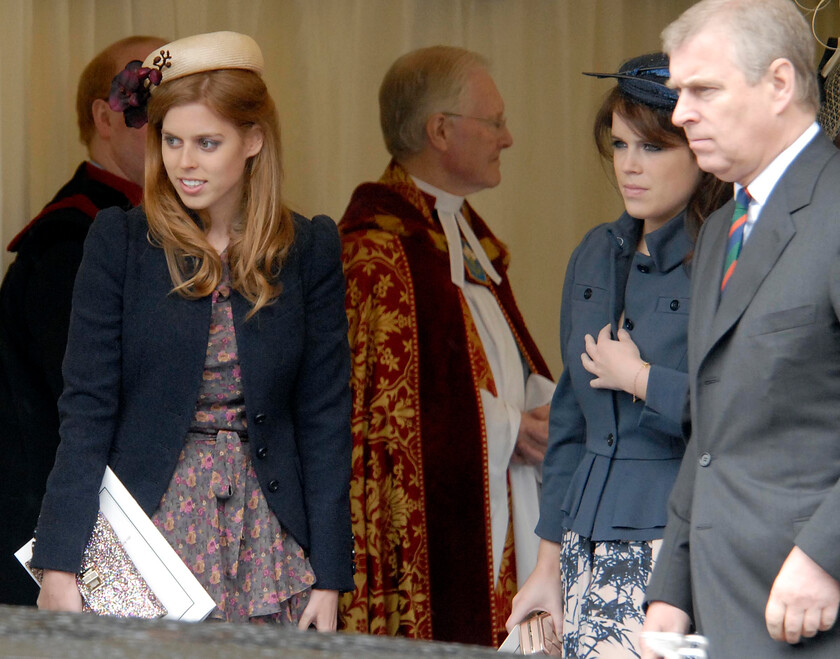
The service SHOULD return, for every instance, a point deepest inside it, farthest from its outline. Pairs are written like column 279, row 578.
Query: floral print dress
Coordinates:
column 214, row 512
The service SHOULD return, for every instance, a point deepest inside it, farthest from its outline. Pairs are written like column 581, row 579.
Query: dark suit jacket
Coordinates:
column 762, row 469
column 34, row 317
column 132, row 372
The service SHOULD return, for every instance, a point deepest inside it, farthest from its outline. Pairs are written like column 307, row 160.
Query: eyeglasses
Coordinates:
column 498, row 124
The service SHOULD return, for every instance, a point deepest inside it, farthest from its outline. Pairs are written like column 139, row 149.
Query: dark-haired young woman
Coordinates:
column 615, row 440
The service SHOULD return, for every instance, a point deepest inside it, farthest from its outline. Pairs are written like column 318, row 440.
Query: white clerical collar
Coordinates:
column 448, row 207
column 444, row 201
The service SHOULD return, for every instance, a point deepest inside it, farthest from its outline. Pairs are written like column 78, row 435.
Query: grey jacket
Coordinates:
column 611, row 462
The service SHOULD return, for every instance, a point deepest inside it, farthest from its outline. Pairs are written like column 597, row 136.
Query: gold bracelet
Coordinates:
column 636, row 378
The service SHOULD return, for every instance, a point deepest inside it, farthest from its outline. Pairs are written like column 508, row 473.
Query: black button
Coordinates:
column 273, row 485
column 262, row 451
column 587, row 294
column 643, row 268
column 705, row 460
column 610, row 439
column 628, row 324
column 675, row 304
column 259, row 418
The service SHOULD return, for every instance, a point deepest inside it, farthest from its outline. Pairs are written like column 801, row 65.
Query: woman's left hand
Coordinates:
column 322, row 611
column 613, row 363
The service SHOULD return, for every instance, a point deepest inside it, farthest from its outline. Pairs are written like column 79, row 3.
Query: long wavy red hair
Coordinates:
column 262, row 233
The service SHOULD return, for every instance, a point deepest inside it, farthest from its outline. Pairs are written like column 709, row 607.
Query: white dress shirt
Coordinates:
column 762, row 187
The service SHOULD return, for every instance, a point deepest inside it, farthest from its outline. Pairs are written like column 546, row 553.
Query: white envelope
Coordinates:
column 167, row 575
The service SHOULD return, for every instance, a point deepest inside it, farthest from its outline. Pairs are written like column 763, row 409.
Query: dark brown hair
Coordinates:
column 655, row 126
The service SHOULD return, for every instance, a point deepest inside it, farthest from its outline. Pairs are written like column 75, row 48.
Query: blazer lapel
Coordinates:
column 625, row 235
column 769, row 238
column 706, row 273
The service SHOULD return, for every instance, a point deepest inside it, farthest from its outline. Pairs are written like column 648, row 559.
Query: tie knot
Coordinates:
column 743, row 198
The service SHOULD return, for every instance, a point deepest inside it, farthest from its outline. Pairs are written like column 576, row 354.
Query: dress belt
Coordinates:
column 212, row 433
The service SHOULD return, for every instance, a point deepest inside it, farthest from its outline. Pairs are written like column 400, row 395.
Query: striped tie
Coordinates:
column 736, row 234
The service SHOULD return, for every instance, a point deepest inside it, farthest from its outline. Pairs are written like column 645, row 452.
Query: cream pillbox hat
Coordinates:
column 206, row 52
column 214, row 51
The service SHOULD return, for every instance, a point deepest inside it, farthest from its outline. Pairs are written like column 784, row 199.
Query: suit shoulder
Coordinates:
column 315, row 238
column 117, row 219
column 58, row 227
column 597, row 233
column 117, row 228
column 595, row 241
column 821, row 190
column 832, row 168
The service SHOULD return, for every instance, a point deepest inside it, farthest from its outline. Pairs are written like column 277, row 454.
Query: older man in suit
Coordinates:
column 751, row 552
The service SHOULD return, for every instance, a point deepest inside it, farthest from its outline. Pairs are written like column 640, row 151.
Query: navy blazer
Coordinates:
column 611, row 463
column 133, row 369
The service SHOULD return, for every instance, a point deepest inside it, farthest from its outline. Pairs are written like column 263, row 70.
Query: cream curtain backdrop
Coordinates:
column 325, row 60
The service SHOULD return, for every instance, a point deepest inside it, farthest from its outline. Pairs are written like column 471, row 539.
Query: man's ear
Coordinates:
column 254, row 141
column 782, row 76
column 437, row 131
column 102, row 117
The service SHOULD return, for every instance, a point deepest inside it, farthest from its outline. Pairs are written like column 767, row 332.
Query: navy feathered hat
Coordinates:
column 643, row 79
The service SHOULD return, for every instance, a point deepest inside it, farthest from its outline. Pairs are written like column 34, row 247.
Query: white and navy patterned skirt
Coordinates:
column 604, row 587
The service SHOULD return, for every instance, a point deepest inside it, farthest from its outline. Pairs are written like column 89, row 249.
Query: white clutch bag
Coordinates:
column 129, row 569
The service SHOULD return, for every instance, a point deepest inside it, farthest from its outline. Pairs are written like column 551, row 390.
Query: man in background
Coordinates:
column 35, row 302
column 444, row 435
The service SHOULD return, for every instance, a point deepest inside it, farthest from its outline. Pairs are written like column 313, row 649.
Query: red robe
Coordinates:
column 419, row 494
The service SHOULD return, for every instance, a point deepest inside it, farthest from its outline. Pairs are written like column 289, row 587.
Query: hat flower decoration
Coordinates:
column 213, row 51
column 131, row 88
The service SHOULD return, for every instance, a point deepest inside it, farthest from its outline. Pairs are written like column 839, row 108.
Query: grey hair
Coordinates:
column 761, row 32
column 416, row 86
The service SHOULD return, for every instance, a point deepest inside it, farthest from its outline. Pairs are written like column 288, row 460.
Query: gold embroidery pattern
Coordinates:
column 387, row 490
column 392, row 578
